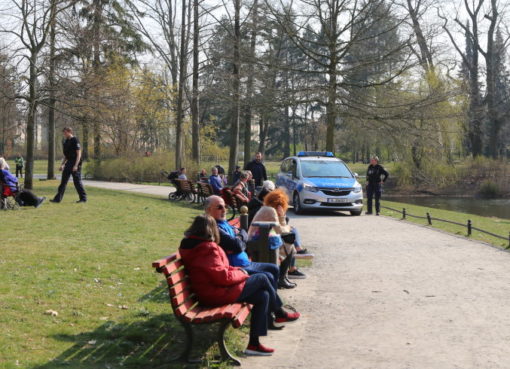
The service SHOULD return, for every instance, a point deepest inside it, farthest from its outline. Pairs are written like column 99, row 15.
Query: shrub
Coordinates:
column 489, row 190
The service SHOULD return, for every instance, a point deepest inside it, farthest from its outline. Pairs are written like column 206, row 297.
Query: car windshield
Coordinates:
column 324, row 168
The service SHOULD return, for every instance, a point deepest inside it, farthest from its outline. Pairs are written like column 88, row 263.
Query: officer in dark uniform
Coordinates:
column 374, row 184
column 71, row 166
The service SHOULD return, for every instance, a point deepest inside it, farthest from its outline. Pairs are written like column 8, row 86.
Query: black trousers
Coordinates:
column 66, row 173
column 374, row 190
column 19, row 170
column 27, row 198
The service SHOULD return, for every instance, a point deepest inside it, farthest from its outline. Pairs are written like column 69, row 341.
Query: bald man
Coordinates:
column 233, row 241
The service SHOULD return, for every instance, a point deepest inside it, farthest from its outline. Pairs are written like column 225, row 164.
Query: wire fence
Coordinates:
column 468, row 224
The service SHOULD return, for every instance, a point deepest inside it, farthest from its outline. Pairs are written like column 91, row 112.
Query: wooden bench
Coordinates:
column 204, row 191
column 184, row 190
column 189, row 312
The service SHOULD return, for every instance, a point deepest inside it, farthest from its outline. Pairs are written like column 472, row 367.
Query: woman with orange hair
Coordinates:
column 278, row 200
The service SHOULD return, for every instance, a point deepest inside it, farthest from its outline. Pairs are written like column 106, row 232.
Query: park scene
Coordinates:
column 264, row 184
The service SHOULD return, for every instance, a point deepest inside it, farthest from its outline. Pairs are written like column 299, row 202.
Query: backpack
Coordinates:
column 173, row 175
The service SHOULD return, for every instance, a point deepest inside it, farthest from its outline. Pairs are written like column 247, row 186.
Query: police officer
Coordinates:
column 374, row 184
column 71, row 166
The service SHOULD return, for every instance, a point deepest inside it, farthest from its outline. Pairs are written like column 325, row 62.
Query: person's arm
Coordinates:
column 63, row 163
column 385, row 173
column 231, row 245
column 264, row 174
column 223, row 274
column 78, row 158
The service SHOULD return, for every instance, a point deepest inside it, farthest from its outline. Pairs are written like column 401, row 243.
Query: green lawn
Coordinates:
column 91, row 264
column 494, row 225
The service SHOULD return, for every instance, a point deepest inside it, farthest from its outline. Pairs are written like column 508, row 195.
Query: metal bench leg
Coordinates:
column 225, row 354
column 189, row 342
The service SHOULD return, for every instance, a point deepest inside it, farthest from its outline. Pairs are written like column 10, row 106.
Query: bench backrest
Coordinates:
column 205, row 189
column 229, row 198
column 179, row 288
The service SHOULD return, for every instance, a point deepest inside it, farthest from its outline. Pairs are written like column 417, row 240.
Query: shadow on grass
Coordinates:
column 154, row 343
column 158, row 294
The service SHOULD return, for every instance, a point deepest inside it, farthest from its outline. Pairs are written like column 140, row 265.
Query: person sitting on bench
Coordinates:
column 233, row 242
column 257, row 202
column 217, row 283
column 23, row 198
column 268, row 214
column 278, row 200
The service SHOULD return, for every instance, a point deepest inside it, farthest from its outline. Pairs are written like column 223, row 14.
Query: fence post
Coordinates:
column 508, row 240
column 469, row 227
column 429, row 219
column 403, row 213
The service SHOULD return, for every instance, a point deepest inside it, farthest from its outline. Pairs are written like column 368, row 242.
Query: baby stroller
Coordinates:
column 178, row 194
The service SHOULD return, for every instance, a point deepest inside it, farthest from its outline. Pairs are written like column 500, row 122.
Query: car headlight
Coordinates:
column 357, row 189
column 310, row 188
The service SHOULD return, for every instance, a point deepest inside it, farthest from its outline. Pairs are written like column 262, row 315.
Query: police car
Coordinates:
column 319, row 180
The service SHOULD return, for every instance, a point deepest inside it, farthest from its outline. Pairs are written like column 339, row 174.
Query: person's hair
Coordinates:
column 67, row 129
column 182, row 169
column 244, row 174
column 209, row 200
column 204, row 226
column 375, row 157
column 277, row 198
column 268, row 185
column 3, row 163
column 214, row 169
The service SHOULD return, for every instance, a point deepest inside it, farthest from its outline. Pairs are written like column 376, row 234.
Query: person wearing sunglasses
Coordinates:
column 233, row 242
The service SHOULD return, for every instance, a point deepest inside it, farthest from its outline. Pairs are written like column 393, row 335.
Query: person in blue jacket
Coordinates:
column 23, row 198
column 215, row 181
column 233, row 242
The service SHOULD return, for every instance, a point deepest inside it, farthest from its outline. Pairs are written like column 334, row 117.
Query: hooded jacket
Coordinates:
column 212, row 278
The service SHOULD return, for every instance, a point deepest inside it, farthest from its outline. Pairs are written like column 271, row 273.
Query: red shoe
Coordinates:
column 289, row 317
column 259, row 350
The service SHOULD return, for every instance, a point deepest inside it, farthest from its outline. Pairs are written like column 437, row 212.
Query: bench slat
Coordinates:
column 178, row 288
column 171, row 267
column 241, row 316
column 176, row 277
column 162, row 262
column 178, row 299
column 186, row 307
column 206, row 315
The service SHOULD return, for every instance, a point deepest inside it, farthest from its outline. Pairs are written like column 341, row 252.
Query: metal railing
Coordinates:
column 468, row 224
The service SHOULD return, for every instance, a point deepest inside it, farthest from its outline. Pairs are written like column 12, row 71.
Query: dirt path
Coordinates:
column 130, row 187
column 388, row 294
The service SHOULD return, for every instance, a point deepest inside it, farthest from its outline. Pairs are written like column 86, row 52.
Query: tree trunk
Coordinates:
column 236, row 82
column 249, row 86
column 32, row 107
column 195, row 127
column 51, row 100
column 331, row 110
column 98, row 11
column 490, row 62
column 179, row 160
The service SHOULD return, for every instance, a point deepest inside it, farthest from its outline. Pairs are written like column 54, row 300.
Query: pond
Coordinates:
column 485, row 207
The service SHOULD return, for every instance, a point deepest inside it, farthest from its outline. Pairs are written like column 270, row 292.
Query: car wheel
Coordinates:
column 356, row 213
column 297, row 204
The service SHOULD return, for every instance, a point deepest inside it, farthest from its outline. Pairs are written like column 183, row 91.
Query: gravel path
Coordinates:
column 129, row 187
column 383, row 293
column 388, row 294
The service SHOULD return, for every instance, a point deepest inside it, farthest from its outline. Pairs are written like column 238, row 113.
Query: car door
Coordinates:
column 283, row 177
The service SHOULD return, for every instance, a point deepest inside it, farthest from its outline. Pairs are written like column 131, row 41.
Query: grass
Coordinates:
column 91, row 264
column 494, row 225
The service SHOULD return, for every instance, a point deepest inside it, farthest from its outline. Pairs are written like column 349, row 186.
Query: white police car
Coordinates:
column 319, row 180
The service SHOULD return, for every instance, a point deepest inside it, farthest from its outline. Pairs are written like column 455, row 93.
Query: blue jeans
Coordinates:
column 259, row 291
column 271, row 271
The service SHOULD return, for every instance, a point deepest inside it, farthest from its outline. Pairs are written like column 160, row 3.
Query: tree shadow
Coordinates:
column 158, row 294
column 152, row 343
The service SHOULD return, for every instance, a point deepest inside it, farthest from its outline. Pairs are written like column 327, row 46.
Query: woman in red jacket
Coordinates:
column 217, row 283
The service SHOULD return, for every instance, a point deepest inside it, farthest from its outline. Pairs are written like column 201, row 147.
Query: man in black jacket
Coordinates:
column 374, row 184
column 71, row 166
column 257, row 169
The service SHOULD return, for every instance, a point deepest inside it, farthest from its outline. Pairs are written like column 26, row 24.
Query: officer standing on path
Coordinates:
column 257, row 169
column 71, row 166
column 374, row 184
